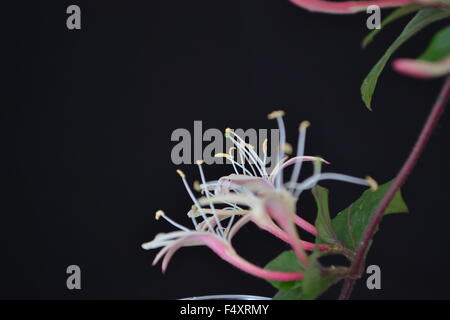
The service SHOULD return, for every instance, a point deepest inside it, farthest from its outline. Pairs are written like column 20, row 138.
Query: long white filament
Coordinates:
column 279, row 179
column 251, row 153
column 213, row 209
column 310, row 182
column 300, row 152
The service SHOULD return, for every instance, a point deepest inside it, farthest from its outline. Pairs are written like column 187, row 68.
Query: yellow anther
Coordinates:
column 373, row 183
column 231, row 149
column 227, row 132
column 158, row 214
column 275, row 114
column 304, row 125
column 197, row 186
column 223, row 155
column 199, row 162
column 287, row 148
column 181, row 173
column 264, row 145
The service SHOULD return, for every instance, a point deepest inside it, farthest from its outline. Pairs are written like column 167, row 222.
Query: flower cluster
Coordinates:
column 250, row 194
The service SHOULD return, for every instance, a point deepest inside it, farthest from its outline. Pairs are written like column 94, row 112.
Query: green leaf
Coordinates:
column 394, row 15
column 350, row 223
column 293, row 294
column 323, row 220
column 422, row 19
column 318, row 279
column 286, row 262
column 439, row 47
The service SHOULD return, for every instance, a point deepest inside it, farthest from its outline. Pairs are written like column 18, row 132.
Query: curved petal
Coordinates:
column 305, row 225
column 285, row 219
column 276, row 231
column 224, row 250
column 422, row 69
column 346, row 7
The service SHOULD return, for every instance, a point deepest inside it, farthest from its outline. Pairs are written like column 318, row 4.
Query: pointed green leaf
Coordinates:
column 394, row 15
column 350, row 223
column 287, row 262
column 439, row 47
column 323, row 220
column 422, row 19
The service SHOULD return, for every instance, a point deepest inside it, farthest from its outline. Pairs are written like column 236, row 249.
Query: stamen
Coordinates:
column 223, row 155
column 304, row 125
column 213, row 209
column 278, row 115
column 229, row 157
column 310, row 182
column 161, row 213
column 158, row 214
column 264, row 146
column 373, row 183
column 197, row 186
column 300, row 151
column 264, row 149
column 249, row 153
column 189, row 191
column 227, row 132
column 275, row 114
column 181, row 173
column 287, row 148
column 248, row 159
column 230, row 151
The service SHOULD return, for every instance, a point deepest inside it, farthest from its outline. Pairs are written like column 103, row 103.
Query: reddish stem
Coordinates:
column 430, row 124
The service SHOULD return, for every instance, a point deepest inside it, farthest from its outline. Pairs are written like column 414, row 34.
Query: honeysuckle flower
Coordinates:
column 217, row 240
column 276, row 200
column 261, row 180
column 422, row 69
column 250, row 194
column 347, row 7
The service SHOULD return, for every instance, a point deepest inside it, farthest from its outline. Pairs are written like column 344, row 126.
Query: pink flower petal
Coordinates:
column 225, row 251
column 285, row 219
column 276, row 231
column 305, row 225
column 346, row 7
column 422, row 69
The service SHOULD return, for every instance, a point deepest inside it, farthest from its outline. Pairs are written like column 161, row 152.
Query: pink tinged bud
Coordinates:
column 225, row 251
column 422, row 69
column 346, row 7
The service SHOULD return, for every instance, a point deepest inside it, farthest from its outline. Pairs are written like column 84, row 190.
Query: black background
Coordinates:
column 89, row 114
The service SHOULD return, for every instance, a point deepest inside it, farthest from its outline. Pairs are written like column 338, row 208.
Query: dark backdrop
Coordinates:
column 88, row 119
